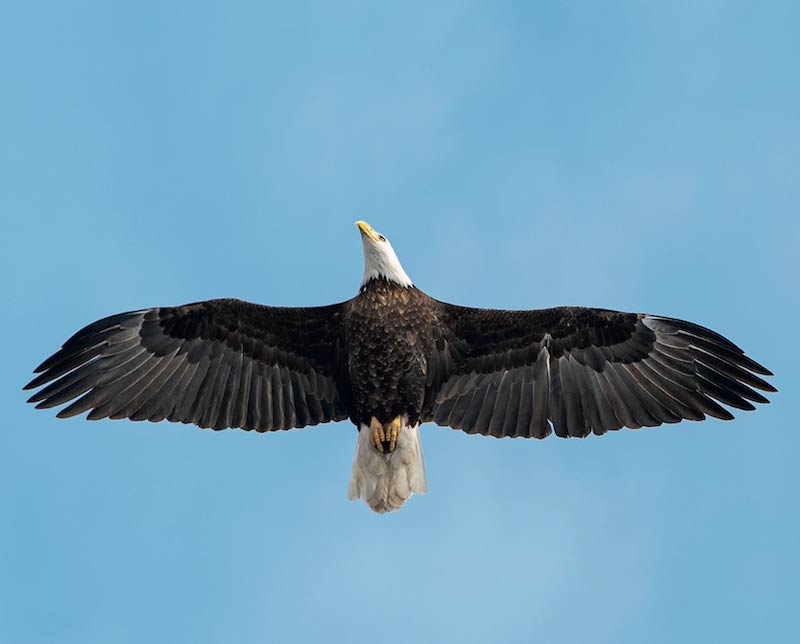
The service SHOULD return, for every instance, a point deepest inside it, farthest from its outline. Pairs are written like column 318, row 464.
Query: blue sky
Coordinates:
column 640, row 156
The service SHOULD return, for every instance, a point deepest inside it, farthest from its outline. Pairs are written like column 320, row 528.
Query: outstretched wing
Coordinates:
column 507, row 373
column 219, row 364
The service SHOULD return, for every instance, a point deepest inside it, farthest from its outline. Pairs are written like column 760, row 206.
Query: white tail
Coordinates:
column 386, row 481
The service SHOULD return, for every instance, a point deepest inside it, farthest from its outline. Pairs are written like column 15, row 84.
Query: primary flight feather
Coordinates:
column 392, row 358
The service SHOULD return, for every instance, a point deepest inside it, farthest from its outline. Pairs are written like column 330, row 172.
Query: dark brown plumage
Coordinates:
column 394, row 350
column 391, row 331
column 584, row 370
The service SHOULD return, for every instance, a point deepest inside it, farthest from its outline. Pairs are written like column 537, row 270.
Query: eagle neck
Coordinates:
column 380, row 262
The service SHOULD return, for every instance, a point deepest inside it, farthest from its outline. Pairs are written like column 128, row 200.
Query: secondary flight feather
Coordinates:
column 392, row 358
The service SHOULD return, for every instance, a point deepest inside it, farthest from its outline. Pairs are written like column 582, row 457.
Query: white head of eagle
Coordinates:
column 380, row 260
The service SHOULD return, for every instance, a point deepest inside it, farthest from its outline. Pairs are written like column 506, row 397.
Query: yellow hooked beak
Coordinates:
column 369, row 231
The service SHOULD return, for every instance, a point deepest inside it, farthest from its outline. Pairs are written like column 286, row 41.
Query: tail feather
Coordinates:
column 386, row 481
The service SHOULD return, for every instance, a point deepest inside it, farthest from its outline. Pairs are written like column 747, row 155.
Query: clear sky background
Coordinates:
column 630, row 155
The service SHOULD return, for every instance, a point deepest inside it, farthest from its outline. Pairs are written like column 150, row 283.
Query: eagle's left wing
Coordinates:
column 507, row 373
column 218, row 363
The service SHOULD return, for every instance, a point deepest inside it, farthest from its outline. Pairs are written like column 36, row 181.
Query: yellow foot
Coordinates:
column 392, row 432
column 378, row 435
column 384, row 437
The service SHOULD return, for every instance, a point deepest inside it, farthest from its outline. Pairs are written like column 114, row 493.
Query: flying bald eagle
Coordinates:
column 392, row 358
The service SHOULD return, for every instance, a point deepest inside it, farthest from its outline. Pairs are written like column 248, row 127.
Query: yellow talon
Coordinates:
column 378, row 434
column 384, row 437
column 393, row 432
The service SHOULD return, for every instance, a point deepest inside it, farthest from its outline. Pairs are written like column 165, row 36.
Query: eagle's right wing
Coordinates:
column 580, row 371
column 219, row 363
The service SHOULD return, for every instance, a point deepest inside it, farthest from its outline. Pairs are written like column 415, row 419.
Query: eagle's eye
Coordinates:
column 382, row 238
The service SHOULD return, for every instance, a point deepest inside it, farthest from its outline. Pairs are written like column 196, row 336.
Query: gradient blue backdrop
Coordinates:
column 641, row 156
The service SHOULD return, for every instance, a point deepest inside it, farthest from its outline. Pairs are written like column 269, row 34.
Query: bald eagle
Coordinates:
column 392, row 358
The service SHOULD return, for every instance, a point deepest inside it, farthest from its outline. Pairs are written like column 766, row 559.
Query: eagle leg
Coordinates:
column 392, row 432
column 384, row 437
column 378, row 434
